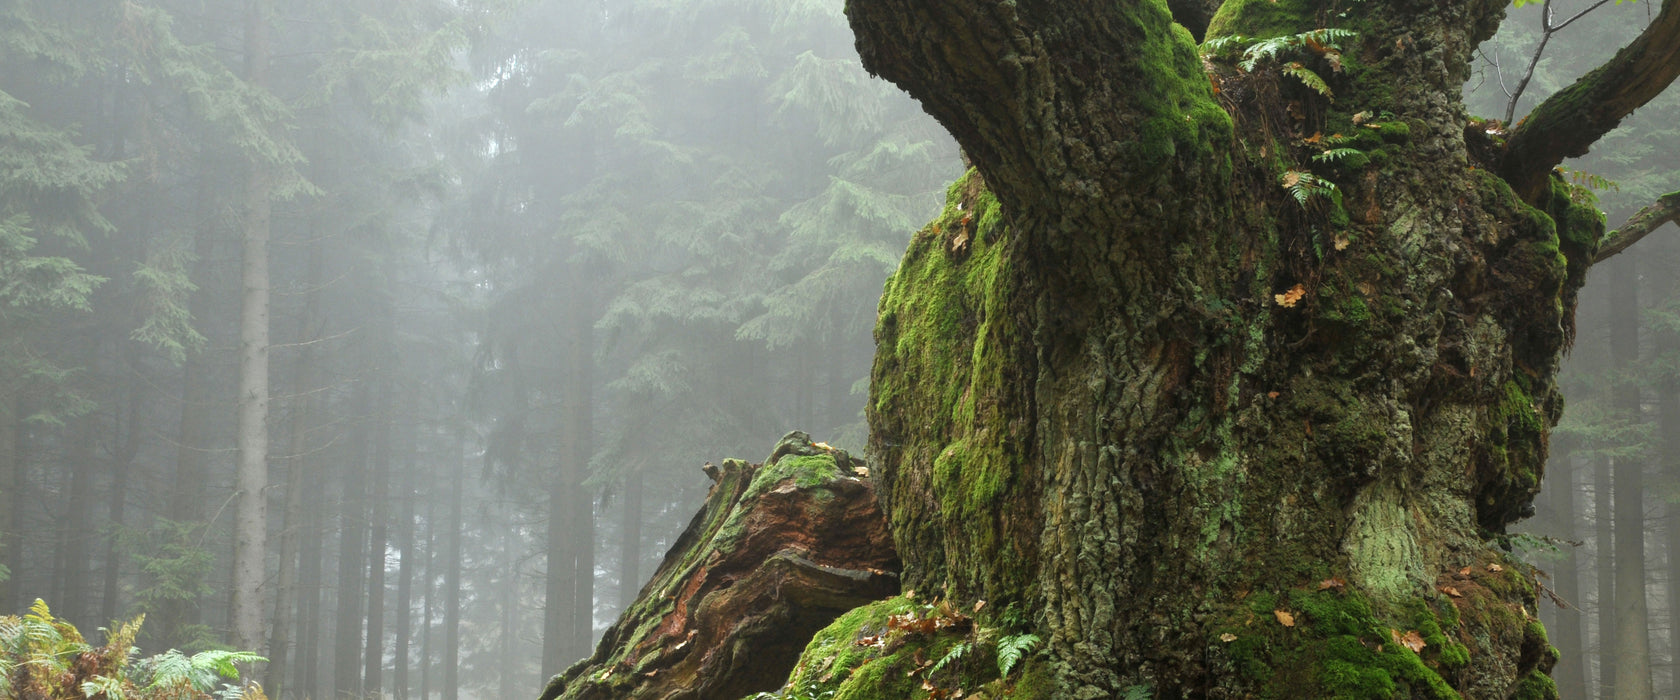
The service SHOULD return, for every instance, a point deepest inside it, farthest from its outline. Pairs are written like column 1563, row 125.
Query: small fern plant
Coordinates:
column 1306, row 187
column 1250, row 53
column 1011, row 649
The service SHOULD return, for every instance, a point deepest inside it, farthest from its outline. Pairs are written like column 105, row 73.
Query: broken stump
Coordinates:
column 776, row 553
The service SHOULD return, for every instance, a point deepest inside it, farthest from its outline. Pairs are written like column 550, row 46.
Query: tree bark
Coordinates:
column 776, row 552
column 121, row 463
column 1139, row 378
column 568, row 616
column 293, row 524
column 251, row 524
column 1631, row 643
column 11, row 490
column 630, row 540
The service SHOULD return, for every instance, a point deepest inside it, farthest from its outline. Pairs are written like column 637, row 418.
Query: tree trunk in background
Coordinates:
column 630, row 539
column 426, row 601
column 568, row 617
column 452, row 583
column 121, row 463
column 374, row 655
column 1569, row 634
column 1668, row 416
column 405, row 576
column 509, row 601
column 11, row 500
column 1604, row 556
column 78, row 531
column 1631, row 644
column 309, row 608
column 352, row 549
column 251, row 524
column 295, row 528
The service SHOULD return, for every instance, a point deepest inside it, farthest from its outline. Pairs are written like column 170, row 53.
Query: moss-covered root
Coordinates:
column 777, row 552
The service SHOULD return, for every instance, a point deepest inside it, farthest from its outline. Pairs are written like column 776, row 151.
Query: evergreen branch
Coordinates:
column 1649, row 218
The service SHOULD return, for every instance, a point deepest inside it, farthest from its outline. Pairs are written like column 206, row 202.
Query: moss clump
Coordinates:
column 1264, row 19
column 1337, row 648
column 805, row 471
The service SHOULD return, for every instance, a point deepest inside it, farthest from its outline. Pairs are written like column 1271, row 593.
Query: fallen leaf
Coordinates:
column 1315, row 139
column 1290, row 179
column 1449, row 590
column 1341, row 243
column 1272, row 394
column 979, row 604
column 1411, row 640
column 1285, row 618
column 1361, row 117
column 860, row 471
column 1495, row 568
column 1332, row 583
column 822, row 446
column 1466, row 570
column 1227, row 637
column 1290, row 298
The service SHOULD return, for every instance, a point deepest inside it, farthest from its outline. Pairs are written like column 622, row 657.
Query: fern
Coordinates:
column 1139, row 692
column 954, row 655
column 1336, row 155
column 1310, row 79
column 1305, row 186
column 1011, row 648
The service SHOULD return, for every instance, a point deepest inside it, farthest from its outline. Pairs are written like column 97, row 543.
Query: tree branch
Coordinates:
column 1640, row 225
column 1569, row 122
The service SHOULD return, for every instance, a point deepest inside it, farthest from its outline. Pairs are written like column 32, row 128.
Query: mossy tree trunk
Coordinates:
column 1151, row 376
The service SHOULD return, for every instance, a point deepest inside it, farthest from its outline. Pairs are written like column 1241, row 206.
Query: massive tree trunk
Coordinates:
column 1233, row 415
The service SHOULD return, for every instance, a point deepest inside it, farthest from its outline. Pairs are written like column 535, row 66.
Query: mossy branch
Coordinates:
column 1572, row 120
column 1649, row 218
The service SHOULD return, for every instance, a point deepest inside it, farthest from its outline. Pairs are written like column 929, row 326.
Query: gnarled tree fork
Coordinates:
column 1232, row 377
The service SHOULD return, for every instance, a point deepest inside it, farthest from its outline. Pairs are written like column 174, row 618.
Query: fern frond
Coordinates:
column 1299, row 72
column 955, row 654
column 1012, row 648
column 1336, row 155
column 96, row 686
column 1305, row 186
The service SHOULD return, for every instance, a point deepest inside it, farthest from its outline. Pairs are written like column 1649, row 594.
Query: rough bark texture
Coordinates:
column 777, row 552
column 1139, row 380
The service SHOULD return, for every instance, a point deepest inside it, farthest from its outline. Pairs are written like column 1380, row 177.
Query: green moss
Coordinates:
column 1535, row 686
column 1264, row 19
column 1338, row 648
column 806, row 471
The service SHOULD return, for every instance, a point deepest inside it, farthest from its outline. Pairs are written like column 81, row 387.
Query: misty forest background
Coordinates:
column 531, row 264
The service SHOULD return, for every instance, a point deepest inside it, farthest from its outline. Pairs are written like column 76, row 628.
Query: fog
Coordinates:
column 526, row 266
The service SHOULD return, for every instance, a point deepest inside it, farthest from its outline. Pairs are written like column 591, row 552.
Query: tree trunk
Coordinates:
column 251, row 524
column 352, row 561
column 630, row 540
column 374, row 655
column 426, row 601
column 1631, row 644
column 11, row 492
column 452, row 583
column 1221, row 426
column 568, row 617
column 1570, row 634
column 309, row 608
column 294, row 527
column 74, row 573
column 1604, row 535
column 121, row 464
column 405, row 579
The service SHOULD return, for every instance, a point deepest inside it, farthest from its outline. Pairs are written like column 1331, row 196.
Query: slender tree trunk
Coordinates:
column 1569, row 634
column 374, row 654
column 78, row 532
column 11, row 499
column 452, row 583
column 569, row 613
column 405, row 578
column 426, row 604
column 251, row 524
column 630, row 539
column 122, row 464
column 352, row 559
column 1605, row 558
column 293, row 525
column 1668, row 411
column 510, row 615
column 1632, row 642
